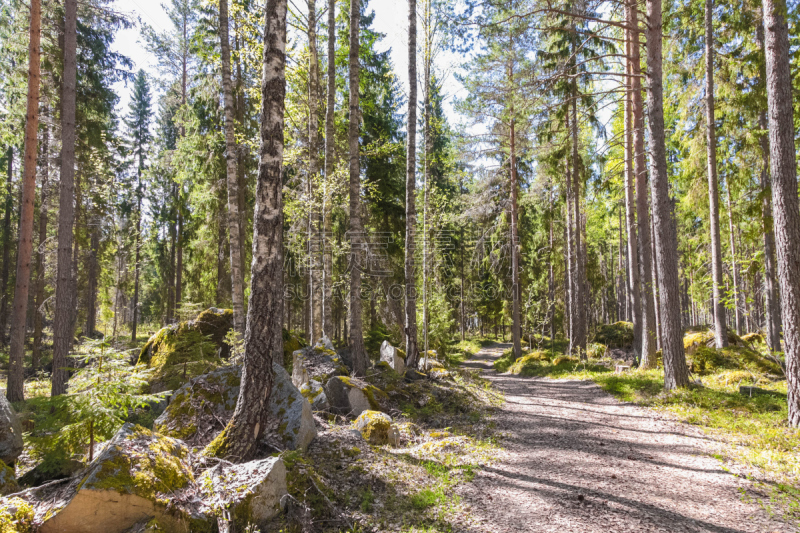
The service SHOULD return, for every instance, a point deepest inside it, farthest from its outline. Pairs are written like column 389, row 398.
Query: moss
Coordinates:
column 183, row 351
column 705, row 360
column 374, row 426
column 617, row 335
column 220, row 446
column 16, row 516
column 754, row 338
column 148, row 465
column 292, row 341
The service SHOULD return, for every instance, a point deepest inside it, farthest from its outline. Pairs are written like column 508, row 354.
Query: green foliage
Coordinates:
column 618, row 335
column 102, row 395
column 374, row 337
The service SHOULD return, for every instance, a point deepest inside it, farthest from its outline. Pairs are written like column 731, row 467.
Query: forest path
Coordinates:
column 578, row 460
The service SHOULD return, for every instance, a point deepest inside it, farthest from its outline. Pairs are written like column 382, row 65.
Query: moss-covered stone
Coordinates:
column 183, row 351
column 133, row 479
column 199, row 409
column 705, row 337
column 374, row 426
column 617, row 335
column 16, row 516
column 705, row 360
column 292, row 341
column 8, row 482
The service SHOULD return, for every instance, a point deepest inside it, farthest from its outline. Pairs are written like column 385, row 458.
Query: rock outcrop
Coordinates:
column 393, row 357
column 251, row 493
column 199, row 410
column 10, row 432
column 351, row 397
column 183, row 351
column 131, row 481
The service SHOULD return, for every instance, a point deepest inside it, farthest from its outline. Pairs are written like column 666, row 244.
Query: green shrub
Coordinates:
column 617, row 335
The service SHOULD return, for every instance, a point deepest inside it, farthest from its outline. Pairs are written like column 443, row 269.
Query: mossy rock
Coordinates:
column 696, row 339
column 16, row 516
column 199, row 410
column 292, row 341
column 134, row 479
column 351, row 397
column 374, row 426
column 754, row 338
column 183, row 351
column 8, row 481
column 616, row 335
column 705, row 360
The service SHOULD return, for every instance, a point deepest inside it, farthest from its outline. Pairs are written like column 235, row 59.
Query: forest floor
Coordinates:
column 578, row 460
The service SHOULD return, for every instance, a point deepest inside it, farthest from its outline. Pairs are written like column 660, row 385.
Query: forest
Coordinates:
column 275, row 283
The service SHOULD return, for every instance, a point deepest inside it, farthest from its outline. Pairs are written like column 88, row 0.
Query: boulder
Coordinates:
column 316, row 362
column 351, row 397
column 8, row 481
column 315, row 394
column 374, row 426
column 252, row 492
column 199, row 410
column 391, row 356
column 10, row 432
column 131, row 481
column 299, row 372
column 186, row 350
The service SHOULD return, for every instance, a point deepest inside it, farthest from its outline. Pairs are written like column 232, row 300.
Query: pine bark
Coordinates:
column 315, row 214
column 773, row 304
column 648, row 326
column 675, row 370
column 785, row 204
column 62, row 324
column 19, row 308
column 92, row 281
column 735, row 268
column 39, row 290
column 720, row 326
column 263, row 335
column 634, row 287
column 330, row 167
column 412, row 349
column 357, row 236
column 515, row 286
column 4, row 275
column 231, row 160
column 137, row 257
column 580, row 271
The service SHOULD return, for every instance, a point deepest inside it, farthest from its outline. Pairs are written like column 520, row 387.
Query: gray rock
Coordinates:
column 315, row 394
column 10, row 432
column 253, row 492
column 299, row 372
column 346, row 397
column 391, row 356
column 198, row 411
column 325, row 342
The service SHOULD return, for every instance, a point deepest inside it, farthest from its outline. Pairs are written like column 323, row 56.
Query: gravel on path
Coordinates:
column 578, row 460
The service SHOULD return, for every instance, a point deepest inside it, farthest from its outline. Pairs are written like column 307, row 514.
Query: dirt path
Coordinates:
column 580, row 461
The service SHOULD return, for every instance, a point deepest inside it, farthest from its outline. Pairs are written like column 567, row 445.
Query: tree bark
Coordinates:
column 412, row 349
column 92, row 281
column 580, row 282
column 38, row 318
column 676, row 373
column 357, row 236
column 9, row 207
column 330, row 167
column 231, row 156
column 785, row 204
column 515, row 287
column 19, row 309
column 720, row 326
column 648, row 316
column 62, row 325
column 773, row 304
column 634, row 287
column 315, row 214
column 137, row 257
column 263, row 336
column 735, row 268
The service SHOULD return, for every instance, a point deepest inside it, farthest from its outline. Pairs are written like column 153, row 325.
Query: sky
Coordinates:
column 391, row 19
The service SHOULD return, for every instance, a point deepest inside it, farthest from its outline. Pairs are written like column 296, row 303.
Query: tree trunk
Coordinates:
column 92, row 277
column 648, row 324
column 137, row 258
column 551, row 285
column 580, row 282
column 263, row 337
column 62, row 325
column 231, row 155
column 330, row 167
column 19, row 309
column 38, row 318
column 735, row 268
column 720, row 326
column 515, row 287
column 676, row 373
column 412, row 350
column 9, row 207
column 785, row 204
column 569, row 257
column 357, row 243
column 313, row 166
column 634, row 287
